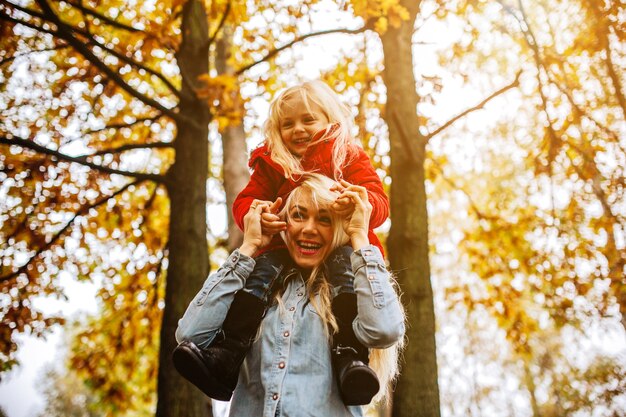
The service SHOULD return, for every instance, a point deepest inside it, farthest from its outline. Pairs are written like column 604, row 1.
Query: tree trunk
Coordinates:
column 235, row 155
column 188, row 251
column 236, row 176
column 417, row 392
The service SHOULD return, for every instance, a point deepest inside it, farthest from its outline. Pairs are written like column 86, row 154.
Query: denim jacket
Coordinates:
column 288, row 370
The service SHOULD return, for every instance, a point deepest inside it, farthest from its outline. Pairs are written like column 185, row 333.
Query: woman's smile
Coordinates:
column 308, row 248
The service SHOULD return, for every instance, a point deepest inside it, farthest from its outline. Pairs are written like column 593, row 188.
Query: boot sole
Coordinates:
column 359, row 385
column 189, row 364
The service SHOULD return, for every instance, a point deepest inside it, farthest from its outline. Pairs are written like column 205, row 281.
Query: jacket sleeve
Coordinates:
column 380, row 319
column 263, row 185
column 359, row 171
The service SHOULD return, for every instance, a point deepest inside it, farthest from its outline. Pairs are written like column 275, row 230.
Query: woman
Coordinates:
column 288, row 370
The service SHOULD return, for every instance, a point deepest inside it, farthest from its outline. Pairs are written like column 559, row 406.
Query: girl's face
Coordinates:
column 309, row 232
column 298, row 124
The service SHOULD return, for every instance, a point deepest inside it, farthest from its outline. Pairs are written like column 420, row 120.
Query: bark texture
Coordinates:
column 417, row 392
column 186, row 184
column 236, row 176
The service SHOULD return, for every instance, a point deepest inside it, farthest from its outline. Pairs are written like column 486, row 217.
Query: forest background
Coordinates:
column 497, row 126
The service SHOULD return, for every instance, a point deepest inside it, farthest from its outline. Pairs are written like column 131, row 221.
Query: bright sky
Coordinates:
column 20, row 394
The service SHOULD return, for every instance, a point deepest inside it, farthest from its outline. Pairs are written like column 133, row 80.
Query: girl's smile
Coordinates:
column 299, row 123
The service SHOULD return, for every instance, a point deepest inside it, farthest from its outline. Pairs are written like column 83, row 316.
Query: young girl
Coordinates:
column 308, row 130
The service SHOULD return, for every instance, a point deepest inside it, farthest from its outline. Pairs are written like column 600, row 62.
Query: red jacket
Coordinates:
column 268, row 182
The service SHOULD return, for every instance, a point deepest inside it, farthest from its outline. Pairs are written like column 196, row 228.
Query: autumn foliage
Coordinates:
column 498, row 129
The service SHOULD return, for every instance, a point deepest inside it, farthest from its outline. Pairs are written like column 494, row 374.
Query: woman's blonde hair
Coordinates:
column 317, row 187
column 341, row 123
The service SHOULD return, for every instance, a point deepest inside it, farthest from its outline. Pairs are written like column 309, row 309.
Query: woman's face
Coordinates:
column 309, row 232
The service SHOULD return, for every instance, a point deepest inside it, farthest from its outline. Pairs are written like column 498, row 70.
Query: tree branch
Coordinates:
column 26, row 10
column 614, row 75
column 221, row 24
column 29, row 144
column 64, row 31
column 17, row 228
column 594, row 177
column 128, row 147
column 14, row 57
column 85, row 19
column 148, row 204
column 531, row 41
column 454, row 186
column 95, row 106
column 274, row 52
column 52, row 18
column 82, row 211
column 107, row 20
column 479, row 106
column 568, row 88
column 566, row 91
column 123, row 125
column 137, row 65
column 4, row 16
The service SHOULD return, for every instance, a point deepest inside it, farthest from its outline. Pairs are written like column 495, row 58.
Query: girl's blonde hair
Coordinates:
column 340, row 126
column 317, row 187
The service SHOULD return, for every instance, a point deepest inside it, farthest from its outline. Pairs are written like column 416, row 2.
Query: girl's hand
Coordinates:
column 254, row 237
column 343, row 206
column 270, row 222
column 356, row 224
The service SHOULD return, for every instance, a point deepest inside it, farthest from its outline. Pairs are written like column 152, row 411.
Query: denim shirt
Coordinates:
column 288, row 370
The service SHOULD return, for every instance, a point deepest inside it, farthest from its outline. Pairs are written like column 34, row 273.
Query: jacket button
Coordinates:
column 275, row 396
column 299, row 294
column 292, row 308
column 370, row 277
column 281, row 365
column 286, row 334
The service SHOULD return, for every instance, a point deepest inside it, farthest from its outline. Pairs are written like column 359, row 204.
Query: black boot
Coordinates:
column 215, row 369
column 357, row 382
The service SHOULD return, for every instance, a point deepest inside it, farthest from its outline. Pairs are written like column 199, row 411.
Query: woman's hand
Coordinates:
column 254, row 235
column 356, row 224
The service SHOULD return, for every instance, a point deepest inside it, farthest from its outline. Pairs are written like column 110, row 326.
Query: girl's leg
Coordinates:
column 339, row 270
column 267, row 269
column 215, row 369
column 357, row 382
